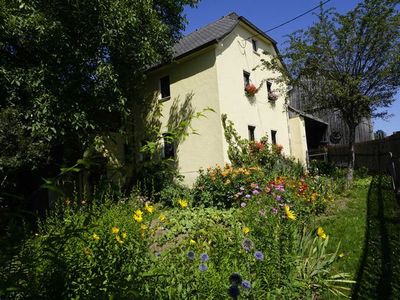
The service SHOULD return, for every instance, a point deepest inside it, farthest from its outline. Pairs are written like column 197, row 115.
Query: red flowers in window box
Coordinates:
column 272, row 96
column 250, row 90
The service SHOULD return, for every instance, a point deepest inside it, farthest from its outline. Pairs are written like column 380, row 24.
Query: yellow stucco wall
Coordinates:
column 298, row 139
column 235, row 54
column 196, row 76
column 215, row 79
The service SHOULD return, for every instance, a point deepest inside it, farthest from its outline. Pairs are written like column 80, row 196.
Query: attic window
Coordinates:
column 246, row 78
column 164, row 87
column 254, row 43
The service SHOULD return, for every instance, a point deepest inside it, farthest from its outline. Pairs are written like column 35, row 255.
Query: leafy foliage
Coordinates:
column 347, row 63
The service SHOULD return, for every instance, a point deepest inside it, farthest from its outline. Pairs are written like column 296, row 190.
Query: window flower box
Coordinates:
column 272, row 96
column 250, row 90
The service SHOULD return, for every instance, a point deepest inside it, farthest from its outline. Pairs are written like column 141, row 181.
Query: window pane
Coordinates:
column 251, row 133
column 254, row 42
column 273, row 136
column 246, row 78
column 169, row 146
column 164, row 86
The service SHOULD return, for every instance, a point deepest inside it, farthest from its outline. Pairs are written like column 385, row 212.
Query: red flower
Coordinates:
column 250, row 89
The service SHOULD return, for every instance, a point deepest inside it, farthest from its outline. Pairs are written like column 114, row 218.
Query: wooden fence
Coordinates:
column 373, row 155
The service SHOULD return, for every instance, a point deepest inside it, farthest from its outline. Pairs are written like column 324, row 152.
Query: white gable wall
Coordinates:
column 234, row 55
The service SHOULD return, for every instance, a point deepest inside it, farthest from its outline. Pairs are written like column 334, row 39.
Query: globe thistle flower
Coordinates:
column 191, row 255
column 247, row 245
column 243, row 204
column 259, row 255
column 203, row 268
column 246, row 284
column 234, row 291
column 247, row 196
column 204, row 257
column 235, row 279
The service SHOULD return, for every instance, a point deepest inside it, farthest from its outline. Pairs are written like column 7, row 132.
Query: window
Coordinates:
column 164, row 87
column 169, row 146
column 246, row 78
column 269, row 86
column 251, row 133
column 273, row 136
column 254, row 43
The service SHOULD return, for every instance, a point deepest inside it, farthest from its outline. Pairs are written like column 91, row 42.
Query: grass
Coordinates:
column 367, row 223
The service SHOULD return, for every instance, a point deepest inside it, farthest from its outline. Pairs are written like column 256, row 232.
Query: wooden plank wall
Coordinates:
column 372, row 154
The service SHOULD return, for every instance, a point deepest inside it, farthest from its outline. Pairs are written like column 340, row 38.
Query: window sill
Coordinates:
column 165, row 99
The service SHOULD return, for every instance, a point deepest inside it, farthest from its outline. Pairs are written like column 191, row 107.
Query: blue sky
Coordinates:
column 267, row 14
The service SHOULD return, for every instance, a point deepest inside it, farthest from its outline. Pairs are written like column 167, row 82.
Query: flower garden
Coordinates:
column 243, row 230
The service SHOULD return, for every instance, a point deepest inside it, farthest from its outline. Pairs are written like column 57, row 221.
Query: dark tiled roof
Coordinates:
column 205, row 35
column 209, row 34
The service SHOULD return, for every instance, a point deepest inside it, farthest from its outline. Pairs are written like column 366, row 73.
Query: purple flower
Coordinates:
column 259, row 255
column 247, row 196
column 233, row 291
column 203, row 267
column 247, row 245
column 274, row 210
column 255, row 192
column 204, row 257
column 243, row 204
column 246, row 284
column 278, row 198
column 191, row 255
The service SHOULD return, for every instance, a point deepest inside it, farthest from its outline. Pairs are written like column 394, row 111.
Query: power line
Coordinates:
column 291, row 20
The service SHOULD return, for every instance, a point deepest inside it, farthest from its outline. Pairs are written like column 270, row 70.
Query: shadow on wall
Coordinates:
column 378, row 276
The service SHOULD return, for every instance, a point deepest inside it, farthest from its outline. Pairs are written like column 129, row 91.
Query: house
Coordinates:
column 211, row 68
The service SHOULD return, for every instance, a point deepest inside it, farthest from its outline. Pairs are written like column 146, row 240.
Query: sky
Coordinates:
column 266, row 14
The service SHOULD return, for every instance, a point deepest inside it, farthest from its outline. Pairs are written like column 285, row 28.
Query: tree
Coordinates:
column 348, row 63
column 70, row 70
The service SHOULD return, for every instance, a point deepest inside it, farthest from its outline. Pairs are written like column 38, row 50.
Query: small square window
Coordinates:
column 164, row 87
column 169, row 146
column 246, row 78
column 273, row 136
column 254, row 44
column 251, row 133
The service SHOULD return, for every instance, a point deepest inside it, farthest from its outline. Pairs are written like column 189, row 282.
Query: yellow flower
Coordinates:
column 124, row 235
column 87, row 251
column 115, row 230
column 246, row 230
column 162, row 218
column 341, row 255
column 321, row 233
column 119, row 239
column 138, row 216
column 149, row 208
column 192, row 242
column 289, row 214
column 95, row 237
column 183, row 203
column 314, row 196
column 143, row 228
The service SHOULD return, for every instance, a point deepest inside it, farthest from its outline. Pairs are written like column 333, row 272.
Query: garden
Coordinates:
column 251, row 229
